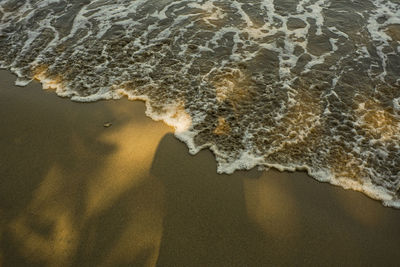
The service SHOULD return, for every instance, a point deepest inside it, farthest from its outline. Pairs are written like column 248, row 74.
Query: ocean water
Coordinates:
column 292, row 84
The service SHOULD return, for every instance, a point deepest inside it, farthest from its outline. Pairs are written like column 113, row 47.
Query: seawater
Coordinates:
column 292, row 84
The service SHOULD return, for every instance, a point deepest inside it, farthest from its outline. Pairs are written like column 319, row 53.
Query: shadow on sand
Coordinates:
column 265, row 218
column 73, row 193
column 206, row 219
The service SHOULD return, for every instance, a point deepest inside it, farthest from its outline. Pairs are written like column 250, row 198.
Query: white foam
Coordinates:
column 391, row 12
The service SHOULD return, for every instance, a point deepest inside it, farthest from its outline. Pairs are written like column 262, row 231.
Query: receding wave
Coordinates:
column 290, row 84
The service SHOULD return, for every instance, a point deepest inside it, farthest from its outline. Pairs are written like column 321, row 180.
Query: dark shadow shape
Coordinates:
column 207, row 224
column 206, row 221
column 32, row 143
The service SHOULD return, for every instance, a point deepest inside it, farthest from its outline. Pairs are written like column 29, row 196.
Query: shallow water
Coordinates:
column 291, row 84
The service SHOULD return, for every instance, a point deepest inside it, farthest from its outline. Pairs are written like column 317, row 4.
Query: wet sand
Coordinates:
column 74, row 193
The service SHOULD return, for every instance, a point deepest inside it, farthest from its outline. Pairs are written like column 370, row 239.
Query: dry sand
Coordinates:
column 74, row 193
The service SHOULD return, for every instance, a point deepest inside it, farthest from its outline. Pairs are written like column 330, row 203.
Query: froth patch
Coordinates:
column 49, row 82
column 210, row 14
column 231, row 85
column 173, row 115
column 377, row 121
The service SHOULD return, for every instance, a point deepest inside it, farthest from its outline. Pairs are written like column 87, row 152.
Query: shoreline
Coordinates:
column 76, row 193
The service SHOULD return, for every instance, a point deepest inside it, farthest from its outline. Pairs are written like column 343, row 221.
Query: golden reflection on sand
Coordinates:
column 142, row 236
column 124, row 169
column 271, row 206
column 46, row 230
column 49, row 229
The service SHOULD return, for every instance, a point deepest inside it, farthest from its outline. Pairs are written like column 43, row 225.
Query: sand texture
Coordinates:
column 76, row 193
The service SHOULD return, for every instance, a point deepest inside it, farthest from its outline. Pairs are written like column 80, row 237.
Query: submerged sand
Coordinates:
column 75, row 193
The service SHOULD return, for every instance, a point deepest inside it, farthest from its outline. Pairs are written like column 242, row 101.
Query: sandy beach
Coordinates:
column 76, row 193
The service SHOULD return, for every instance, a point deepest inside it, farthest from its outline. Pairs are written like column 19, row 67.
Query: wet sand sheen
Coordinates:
column 74, row 193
